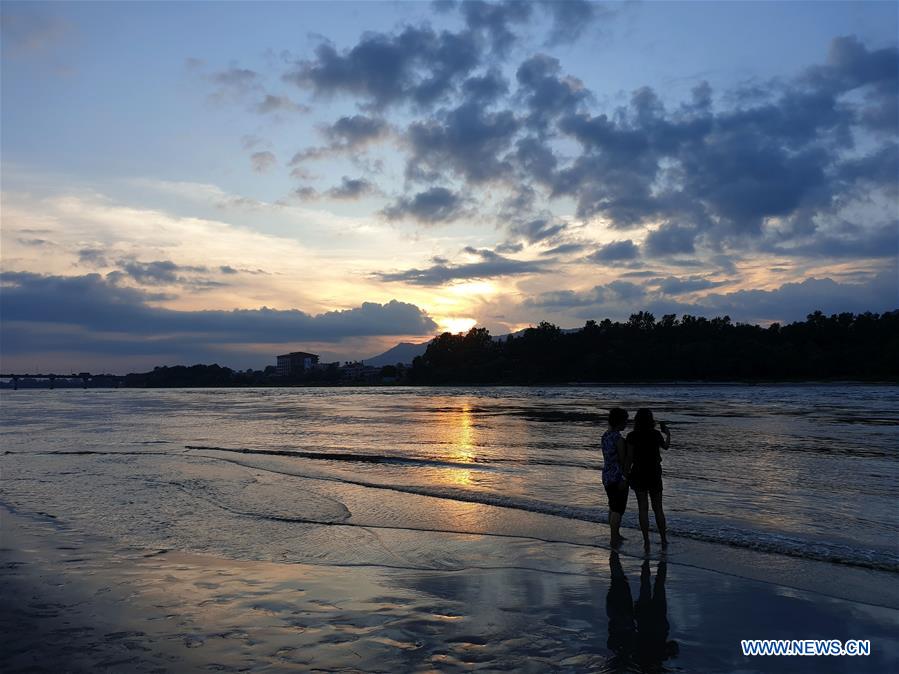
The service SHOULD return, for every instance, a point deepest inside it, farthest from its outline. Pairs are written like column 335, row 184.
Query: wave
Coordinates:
column 350, row 457
column 760, row 541
column 475, row 463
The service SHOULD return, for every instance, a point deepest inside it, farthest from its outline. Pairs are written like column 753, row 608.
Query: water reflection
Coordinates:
column 638, row 631
column 460, row 439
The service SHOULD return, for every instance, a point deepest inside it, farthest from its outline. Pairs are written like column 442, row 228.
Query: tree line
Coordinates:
column 842, row 346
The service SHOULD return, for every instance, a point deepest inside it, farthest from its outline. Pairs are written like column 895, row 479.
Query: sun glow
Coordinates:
column 456, row 325
column 473, row 288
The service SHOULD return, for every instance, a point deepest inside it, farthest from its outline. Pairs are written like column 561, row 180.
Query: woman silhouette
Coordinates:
column 643, row 445
column 613, row 467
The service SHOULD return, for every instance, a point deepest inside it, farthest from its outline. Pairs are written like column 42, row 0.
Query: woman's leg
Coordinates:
column 643, row 506
column 656, row 497
column 615, row 525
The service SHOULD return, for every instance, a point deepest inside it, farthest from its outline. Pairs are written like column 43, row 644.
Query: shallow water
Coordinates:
column 802, row 471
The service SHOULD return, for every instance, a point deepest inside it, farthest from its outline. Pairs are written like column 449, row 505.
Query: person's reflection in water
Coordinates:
column 651, row 610
column 620, row 611
column 638, row 631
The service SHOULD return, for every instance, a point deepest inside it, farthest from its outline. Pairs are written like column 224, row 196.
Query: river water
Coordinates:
column 803, row 471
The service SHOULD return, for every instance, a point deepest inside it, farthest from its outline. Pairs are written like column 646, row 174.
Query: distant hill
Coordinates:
column 404, row 352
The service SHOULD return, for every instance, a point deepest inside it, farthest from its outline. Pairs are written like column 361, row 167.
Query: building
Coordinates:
column 295, row 363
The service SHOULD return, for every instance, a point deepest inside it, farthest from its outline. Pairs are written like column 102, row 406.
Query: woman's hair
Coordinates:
column 617, row 416
column 643, row 420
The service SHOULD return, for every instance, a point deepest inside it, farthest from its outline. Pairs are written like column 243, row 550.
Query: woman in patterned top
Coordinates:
column 614, row 468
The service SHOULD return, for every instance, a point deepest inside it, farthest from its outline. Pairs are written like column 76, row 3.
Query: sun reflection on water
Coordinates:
column 461, row 441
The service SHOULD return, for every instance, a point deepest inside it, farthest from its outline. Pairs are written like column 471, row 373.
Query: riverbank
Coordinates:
column 81, row 603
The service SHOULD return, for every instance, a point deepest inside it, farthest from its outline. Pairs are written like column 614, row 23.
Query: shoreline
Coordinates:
column 96, row 604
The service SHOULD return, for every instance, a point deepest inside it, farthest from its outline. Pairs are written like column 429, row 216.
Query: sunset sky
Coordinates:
column 223, row 182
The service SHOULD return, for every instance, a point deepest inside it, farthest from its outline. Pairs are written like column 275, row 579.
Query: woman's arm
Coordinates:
column 666, row 440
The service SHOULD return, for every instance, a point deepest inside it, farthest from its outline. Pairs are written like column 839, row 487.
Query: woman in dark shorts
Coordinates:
column 643, row 445
column 613, row 470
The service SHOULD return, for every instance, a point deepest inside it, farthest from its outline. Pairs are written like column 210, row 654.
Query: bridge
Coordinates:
column 110, row 380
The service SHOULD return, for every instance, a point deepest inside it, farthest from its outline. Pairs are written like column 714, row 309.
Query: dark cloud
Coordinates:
column 163, row 273
column 509, row 247
column 848, row 241
column 726, row 175
column 416, row 65
column 617, row 250
column 545, row 91
column 539, row 229
column 34, row 242
column 92, row 257
column 613, row 292
column 158, row 272
column 432, row 206
column 468, row 141
column 793, row 301
column 670, row 239
column 570, row 18
column 54, row 304
column 306, row 193
column 352, row 188
column 485, row 89
column 346, row 135
column 789, row 302
column 263, row 161
column 673, row 285
column 355, row 131
column 495, row 19
column 490, row 265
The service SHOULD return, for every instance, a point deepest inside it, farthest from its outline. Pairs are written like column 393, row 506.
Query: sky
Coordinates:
column 223, row 182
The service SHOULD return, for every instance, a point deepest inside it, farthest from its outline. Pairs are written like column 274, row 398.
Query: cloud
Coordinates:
column 495, row 20
column 432, row 206
column 415, row 65
column 671, row 239
column 486, row 88
column 347, row 134
column 793, row 301
column 53, row 305
column 467, row 140
column 263, row 161
column 28, row 32
column 673, row 285
column 274, row 104
column 789, row 302
column 546, row 93
column 93, row 257
column 539, row 229
column 158, row 272
column 490, row 265
column 565, row 249
column 617, row 250
column 571, row 18
column 355, row 131
column 352, row 188
column 234, row 83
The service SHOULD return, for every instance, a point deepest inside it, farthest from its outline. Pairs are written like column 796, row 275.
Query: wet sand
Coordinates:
column 73, row 602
